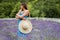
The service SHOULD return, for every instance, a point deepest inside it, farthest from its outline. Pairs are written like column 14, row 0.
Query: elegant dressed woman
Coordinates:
column 22, row 15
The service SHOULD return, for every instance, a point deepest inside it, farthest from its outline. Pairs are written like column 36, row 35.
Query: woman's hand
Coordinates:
column 20, row 17
column 17, row 16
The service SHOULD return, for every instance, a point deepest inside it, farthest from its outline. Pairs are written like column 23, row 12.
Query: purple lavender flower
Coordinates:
column 42, row 30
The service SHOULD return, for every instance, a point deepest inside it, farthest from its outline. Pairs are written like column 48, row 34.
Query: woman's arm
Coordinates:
column 22, row 16
column 18, row 14
column 29, row 14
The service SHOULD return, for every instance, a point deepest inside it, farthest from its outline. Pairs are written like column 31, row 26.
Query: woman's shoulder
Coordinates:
column 27, row 11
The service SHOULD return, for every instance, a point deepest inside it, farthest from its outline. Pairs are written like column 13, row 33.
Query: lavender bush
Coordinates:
column 42, row 30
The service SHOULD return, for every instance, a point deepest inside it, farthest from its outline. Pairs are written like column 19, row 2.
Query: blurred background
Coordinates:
column 38, row 8
column 45, row 27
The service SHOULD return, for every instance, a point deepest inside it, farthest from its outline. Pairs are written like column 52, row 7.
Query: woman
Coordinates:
column 22, row 15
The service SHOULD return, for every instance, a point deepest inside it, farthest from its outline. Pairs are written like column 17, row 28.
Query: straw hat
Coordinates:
column 25, row 26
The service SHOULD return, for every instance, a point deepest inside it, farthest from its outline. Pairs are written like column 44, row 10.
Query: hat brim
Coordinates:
column 29, row 26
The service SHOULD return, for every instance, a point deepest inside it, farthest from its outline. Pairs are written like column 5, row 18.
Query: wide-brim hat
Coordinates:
column 25, row 26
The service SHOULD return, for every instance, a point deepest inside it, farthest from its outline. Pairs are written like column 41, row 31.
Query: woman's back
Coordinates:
column 22, row 12
column 19, row 33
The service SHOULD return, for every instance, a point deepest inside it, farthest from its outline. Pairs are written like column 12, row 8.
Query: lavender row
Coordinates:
column 42, row 30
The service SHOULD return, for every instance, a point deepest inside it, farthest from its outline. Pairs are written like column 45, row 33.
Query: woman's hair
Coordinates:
column 24, row 5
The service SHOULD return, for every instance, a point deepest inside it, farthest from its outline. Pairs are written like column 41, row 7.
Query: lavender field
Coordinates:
column 43, row 29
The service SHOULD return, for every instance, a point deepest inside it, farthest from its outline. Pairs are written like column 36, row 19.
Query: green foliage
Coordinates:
column 37, row 8
column 5, row 9
column 15, row 9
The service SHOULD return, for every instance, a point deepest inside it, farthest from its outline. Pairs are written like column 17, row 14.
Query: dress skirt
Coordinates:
column 20, row 34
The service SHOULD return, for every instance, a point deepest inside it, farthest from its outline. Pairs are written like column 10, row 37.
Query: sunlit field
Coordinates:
column 43, row 29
